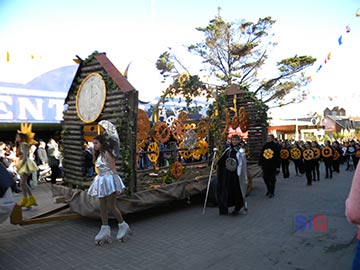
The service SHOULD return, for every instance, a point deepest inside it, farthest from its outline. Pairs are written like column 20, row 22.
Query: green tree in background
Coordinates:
column 235, row 53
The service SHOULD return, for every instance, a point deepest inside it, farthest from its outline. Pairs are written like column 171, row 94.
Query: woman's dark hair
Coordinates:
column 103, row 140
column 23, row 139
column 17, row 144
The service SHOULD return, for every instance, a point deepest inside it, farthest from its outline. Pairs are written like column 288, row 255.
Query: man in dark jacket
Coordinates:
column 269, row 162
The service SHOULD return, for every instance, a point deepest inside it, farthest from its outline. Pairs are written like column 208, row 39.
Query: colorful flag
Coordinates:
column 340, row 40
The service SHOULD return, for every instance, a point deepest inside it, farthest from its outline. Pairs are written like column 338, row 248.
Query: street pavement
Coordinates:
column 178, row 236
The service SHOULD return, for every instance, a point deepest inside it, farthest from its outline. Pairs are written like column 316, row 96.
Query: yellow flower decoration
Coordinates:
column 183, row 78
column 268, row 153
column 295, row 153
column 308, row 154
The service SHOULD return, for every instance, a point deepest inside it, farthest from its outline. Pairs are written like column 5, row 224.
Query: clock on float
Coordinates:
column 90, row 98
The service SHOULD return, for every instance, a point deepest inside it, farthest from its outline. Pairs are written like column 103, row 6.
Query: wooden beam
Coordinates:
column 16, row 217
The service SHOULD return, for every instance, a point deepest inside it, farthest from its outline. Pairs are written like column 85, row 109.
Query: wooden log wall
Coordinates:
column 119, row 108
column 257, row 127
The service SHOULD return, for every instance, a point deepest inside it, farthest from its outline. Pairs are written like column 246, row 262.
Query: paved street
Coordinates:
column 178, row 236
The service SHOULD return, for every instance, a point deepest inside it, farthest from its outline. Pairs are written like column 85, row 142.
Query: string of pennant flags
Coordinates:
column 328, row 56
column 8, row 57
column 340, row 42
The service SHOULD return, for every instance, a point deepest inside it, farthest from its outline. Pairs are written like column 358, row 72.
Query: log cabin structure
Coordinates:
column 116, row 101
column 111, row 97
column 257, row 122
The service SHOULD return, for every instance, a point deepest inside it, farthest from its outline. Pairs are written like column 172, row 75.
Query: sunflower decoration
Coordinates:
column 143, row 125
column 154, row 151
column 326, row 152
column 202, row 129
column 235, row 122
column 308, row 154
column 268, row 153
column 295, row 153
column 227, row 123
column 184, row 152
column 243, row 119
column 284, row 153
column 177, row 170
column 183, row 78
column 317, row 153
column 25, row 128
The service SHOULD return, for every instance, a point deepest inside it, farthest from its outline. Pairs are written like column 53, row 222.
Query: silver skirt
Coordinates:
column 104, row 185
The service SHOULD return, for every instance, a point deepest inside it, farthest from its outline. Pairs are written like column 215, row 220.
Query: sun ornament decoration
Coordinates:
column 154, row 151
column 295, row 153
column 25, row 128
column 317, row 153
column 284, row 154
column 268, row 153
column 326, row 152
column 308, row 154
column 177, row 170
column 184, row 77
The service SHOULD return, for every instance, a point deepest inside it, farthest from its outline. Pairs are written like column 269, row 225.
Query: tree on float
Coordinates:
column 235, row 53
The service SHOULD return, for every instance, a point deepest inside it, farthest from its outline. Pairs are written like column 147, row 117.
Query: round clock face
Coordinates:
column 90, row 98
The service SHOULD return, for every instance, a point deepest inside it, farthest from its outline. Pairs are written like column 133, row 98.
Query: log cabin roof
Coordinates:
column 123, row 84
column 114, row 73
column 233, row 90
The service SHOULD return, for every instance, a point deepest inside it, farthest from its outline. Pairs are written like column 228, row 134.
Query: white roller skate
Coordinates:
column 124, row 231
column 104, row 236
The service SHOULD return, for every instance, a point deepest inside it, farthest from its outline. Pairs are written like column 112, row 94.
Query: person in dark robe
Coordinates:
column 327, row 155
column 337, row 157
column 285, row 159
column 232, row 178
column 317, row 155
column 308, row 161
column 296, row 153
column 269, row 161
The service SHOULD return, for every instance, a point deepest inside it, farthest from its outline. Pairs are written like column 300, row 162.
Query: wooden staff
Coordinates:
column 208, row 185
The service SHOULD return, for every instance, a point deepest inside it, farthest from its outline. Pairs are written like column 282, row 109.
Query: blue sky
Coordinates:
column 138, row 31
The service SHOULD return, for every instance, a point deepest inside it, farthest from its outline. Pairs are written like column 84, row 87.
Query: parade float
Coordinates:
column 178, row 149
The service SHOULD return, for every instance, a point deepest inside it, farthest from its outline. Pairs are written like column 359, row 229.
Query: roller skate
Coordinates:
column 23, row 201
column 30, row 202
column 104, row 236
column 124, row 231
